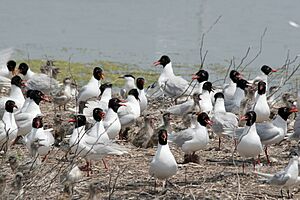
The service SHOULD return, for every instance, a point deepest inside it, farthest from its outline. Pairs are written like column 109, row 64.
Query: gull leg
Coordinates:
column 267, row 156
column 219, row 143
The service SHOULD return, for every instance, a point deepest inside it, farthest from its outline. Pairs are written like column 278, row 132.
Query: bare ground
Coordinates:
column 218, row 176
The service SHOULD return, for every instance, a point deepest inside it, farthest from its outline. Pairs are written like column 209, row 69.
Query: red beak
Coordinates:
column 156, row 63
column 72, row 120
column 274, row 70
column 194, row 77
column 243, row 118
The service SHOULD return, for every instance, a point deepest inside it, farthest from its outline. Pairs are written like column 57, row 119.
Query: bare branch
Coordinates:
column 259, row 52
column 243, row 59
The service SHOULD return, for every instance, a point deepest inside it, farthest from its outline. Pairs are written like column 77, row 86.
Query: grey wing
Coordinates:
column 228, row 120
column 181, row 137
column 181, row 108
column 296, row 134
column 266, row 131
column 43, row 83
column 236, row 133
column 175, row 87
column 279, row 179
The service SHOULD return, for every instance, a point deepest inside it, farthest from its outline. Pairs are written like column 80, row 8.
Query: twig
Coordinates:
column 228, row 69
column 243, row 59
column 259, row 52
column 115, row 182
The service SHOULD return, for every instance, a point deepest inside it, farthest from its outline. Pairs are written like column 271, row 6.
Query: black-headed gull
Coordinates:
column 131, row 111
column 7, row 67
column 111, row 121
column 89, row 147
column 229, row 89
column 233, row 104
column 140, row 82
column 163, row 164
column 106, row 93
column 91, row 89
column 205, row 99
column 285, row 178
column 8, row 126
column 172, row 85
column 97, row 130
column 265, row 72
column 222, row 119
column 165, row 124
column 249, row 144
column 24, row 119
column 43, row 136
column 261, row 106
column 193, row 139
column 38, row 81
column 201, row 76
column 15, row 94
column 270, row 132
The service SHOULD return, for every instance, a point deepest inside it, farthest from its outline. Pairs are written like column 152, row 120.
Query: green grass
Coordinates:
column 82, row 72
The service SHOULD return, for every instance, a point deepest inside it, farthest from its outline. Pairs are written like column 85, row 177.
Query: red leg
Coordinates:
column 267, row 156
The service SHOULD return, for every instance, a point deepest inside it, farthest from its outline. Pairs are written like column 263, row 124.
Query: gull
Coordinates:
column 69, row 177
column 24, row 119
column 296, row 134
column 286, row 178
column 131, row 111
column 105, row 92
column 111, row 121
column 17, row 187
column 89, row 147
column 97, row 130
column 229, row 89
column 91, row 89
column 270, row 132
column 8, row 126
column 294, row 24
column 15, row 94
column 165, row 124
column 3, row 179
column 193, row 139
column 249, row 144
column 201, row 76
column 265, row 72
column 261, row 106
column 233, row 104
column 129, row 84
column 143, row 136
column 205, row 99
column 172, row 85
column 142, row 96
column 7, row 67
column 65, row 95
column 43, row 136
column 163, row 164
column 222, row 119
column 38, row 81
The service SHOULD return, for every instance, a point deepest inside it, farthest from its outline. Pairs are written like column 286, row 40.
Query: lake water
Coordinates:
column 139, row 31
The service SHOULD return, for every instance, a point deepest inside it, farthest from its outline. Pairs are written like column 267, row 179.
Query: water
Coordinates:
column 138, row 32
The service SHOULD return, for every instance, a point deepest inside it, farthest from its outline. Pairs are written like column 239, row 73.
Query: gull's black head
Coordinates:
column 98, row 114
column 11, row 65
column 203, row 119
column 37, row 122
column 23, row 68
column 17, row 81
column 242, row 83
column 219, row 95
column 79, row 120
column 162, row 137
column 235, row 76
column 267, row 70
column 98, row 73
column 10, row 105
column 105, row 86
column 261, row 89
column 249, row 117
column 284, row 112
column 201, row 76
column 207, row 86
column 164, row 60
column 135, row 93
column 115, row 104
column 140, row 82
